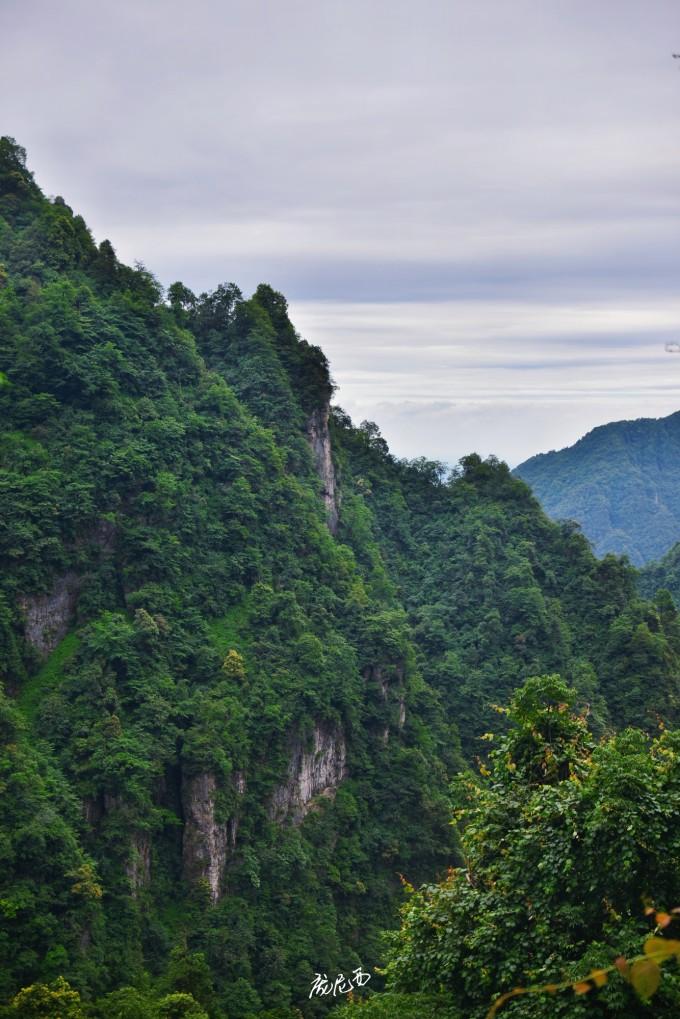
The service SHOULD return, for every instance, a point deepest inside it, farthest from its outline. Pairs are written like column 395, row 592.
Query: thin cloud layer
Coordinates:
column 472, row 205
column 499, row 377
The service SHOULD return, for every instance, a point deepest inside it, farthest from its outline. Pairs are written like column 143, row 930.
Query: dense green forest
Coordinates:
column 619, row 482
column 664, row 573
column 250, row 661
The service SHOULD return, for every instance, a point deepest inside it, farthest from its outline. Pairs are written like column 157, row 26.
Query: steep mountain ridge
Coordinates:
column 619, row 482
column 244, row 647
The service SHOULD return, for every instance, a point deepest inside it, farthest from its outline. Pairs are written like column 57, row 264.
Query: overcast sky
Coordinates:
column 470, row 204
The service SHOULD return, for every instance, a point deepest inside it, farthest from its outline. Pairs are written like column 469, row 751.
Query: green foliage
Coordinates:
column 189, row 977
column 125, row 1003
column 154, row 465
column 233, row 665
column 40, row 1001
column 180, row 1006
column 561, row 838
column 48, row 678
column 400, row 1006
column 49, row 895
column 496, row 593
column 662, row 575
column 644, row 973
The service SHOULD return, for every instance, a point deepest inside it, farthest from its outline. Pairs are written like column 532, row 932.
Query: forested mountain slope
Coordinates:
column 244, row 649
column 619, row 482
column 662, row 574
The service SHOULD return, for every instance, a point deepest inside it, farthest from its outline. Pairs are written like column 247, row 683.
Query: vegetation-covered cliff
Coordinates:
column 662, row 574
column 619, row 482
column 244, row 649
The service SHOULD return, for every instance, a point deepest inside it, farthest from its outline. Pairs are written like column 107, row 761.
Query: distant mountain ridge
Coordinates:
column 620, row 482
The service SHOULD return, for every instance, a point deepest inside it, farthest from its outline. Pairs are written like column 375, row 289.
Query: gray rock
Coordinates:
column 320, row 441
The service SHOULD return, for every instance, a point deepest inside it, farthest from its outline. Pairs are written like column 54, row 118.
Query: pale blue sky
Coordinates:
column 472, row 206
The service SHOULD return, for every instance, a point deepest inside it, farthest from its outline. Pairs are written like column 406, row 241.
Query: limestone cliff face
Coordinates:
column 390, row 682
column 138, row 864
column 320, row 441
column 402, row 712
column 48, row 616
column 207, row 842
column 204, row 844
column 314, row 771
column 138, row 867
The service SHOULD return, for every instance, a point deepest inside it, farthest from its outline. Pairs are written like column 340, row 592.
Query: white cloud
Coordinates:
column 387, row 154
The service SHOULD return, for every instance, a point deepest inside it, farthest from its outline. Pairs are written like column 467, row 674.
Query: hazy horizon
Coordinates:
column 471, row 207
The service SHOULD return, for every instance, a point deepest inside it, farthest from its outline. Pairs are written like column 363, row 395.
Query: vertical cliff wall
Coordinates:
column 313, row 771
column 207, row 841
column 48, row 616
column 320, row 441
column 204, row 845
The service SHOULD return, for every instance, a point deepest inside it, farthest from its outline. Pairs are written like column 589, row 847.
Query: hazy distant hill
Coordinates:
column 621, row 482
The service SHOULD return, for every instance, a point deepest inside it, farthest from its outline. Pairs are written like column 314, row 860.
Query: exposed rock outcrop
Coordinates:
column 48, row 616
column 312, row 772
column 390, row 683
column 138, row 867
column 92, row 810
column 138, row 864
column 239, row 782
column 320, row 441
column 207, row 842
